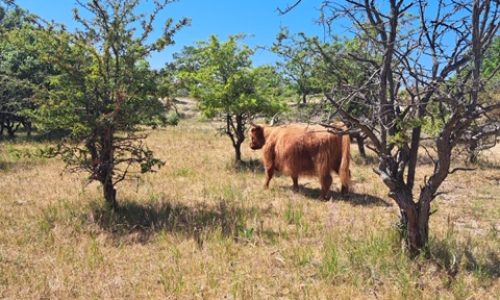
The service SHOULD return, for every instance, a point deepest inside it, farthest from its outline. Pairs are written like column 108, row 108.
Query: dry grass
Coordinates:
column 201, row 228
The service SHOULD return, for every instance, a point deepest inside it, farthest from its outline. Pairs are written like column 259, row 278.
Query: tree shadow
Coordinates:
column 365, row 161
column 252, row 165
column 137, row 222
column 451, row 257
column 6, row 165
column 489, row 267
column 37, row 136
column 50, row 136
column 351, row 197
column 17, row 163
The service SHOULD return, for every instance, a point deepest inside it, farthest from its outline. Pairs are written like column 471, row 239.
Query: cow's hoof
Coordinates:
column 325, row 198
column 344, row 190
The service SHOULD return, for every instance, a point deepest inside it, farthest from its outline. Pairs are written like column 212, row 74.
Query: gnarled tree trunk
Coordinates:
column 415, row 220
column 107, row 161
column 109, row 192
column 237, row 152
column 100, row 147
column 235, row 129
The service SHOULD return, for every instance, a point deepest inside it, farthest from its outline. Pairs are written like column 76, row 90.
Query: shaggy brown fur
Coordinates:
column 303, row 149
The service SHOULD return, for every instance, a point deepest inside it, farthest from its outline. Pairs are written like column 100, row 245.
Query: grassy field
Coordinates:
column 201, row 228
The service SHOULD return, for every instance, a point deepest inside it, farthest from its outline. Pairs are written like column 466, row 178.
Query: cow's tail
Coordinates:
column 344, row 173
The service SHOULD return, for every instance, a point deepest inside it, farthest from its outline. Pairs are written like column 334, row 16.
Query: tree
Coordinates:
column 220, row 76
column 334, row 67
column 404, row 52
column 100, row 90
column 12, row 16
column 298, row 63
column 21, row 70
column 153, row 110
column 484, row 132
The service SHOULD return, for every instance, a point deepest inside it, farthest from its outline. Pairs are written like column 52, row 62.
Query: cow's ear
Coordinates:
column 256, row 128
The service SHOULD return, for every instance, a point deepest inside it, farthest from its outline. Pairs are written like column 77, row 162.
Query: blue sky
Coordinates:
column 257, row 18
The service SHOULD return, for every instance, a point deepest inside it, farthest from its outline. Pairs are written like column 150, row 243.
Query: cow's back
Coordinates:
column 302, row 149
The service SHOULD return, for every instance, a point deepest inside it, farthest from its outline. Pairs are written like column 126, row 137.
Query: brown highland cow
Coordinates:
column 304, row 149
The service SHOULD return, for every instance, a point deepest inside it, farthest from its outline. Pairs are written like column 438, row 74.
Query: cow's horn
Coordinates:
column 273, row 119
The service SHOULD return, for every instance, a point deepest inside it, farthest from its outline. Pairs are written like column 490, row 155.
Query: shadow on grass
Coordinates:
column 353, row 198
column 365, row 161
column 16, row 163
column 253, row 165
column 453, row 257
column 50, row 136
column 489, row 267
column 143, row 220
column 6, row 165
column 36, row 136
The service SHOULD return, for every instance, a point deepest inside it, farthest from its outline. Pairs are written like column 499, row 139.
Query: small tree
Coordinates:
column 100, row 90
column 298, row 63
column 220, row 76
column 484, row 132
column 21, row 69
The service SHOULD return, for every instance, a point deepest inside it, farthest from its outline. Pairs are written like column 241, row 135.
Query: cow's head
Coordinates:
column 257, row 139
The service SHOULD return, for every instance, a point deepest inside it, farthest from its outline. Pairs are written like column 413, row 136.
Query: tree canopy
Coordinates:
column 105, row 89
column 220, row 75
column 23, row 73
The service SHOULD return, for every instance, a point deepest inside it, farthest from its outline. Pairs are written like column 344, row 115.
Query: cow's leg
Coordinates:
column 326, row 183
column 269, row 167
column 295, row 179
column 344, row 190
column 269, row 176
